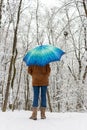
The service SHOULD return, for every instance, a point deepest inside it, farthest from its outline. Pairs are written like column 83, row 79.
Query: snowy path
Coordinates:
column 19, row 120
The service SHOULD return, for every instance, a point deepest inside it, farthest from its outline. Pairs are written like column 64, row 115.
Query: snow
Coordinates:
column 19, row 120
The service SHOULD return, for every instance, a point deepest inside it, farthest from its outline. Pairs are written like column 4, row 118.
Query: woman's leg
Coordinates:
column 35, row 102
column 43, row 96
column 36, row 90
column 43, row 101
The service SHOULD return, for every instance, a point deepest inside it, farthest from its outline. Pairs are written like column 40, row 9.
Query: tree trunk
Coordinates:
column 1, row 3
column 85, row 40
column 13, row 108
column 85, row 7
column 37, row 24
column 27, row 95
column 50, row 107
column 12, row 59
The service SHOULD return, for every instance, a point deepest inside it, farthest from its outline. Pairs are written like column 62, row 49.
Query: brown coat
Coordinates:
column 40, row 75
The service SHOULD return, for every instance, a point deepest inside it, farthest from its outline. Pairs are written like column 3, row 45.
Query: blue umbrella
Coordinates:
column 42, row 55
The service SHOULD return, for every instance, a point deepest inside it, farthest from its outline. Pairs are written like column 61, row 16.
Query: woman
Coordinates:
column 40, row 80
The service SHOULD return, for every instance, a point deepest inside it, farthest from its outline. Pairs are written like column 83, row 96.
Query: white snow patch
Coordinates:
column 19, row 120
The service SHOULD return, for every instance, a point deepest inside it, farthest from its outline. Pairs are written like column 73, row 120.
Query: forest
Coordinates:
column 25, row 24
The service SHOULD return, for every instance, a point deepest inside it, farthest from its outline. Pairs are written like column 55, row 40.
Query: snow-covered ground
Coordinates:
column 19, row 120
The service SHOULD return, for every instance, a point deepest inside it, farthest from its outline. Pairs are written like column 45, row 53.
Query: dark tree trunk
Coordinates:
column 49, row 103
column 1, row 3
column 12, row 59
column 85, row 7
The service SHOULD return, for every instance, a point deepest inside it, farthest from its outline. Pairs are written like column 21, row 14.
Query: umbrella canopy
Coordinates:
column 42, row 55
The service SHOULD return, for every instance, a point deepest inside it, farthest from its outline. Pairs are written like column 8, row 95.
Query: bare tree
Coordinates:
column 37, row 21
column 85, row 41
column 13, row 58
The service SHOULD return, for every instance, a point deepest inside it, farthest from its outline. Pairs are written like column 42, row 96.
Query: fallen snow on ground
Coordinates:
column 19, row 120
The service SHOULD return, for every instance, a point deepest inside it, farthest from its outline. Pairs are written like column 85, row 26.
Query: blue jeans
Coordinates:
column 36, row 91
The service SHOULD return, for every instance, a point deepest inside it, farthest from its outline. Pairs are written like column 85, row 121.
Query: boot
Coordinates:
column 43, row 113
column 34, row 114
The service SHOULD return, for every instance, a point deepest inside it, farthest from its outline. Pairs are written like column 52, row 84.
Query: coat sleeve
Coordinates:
column 30, row 70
